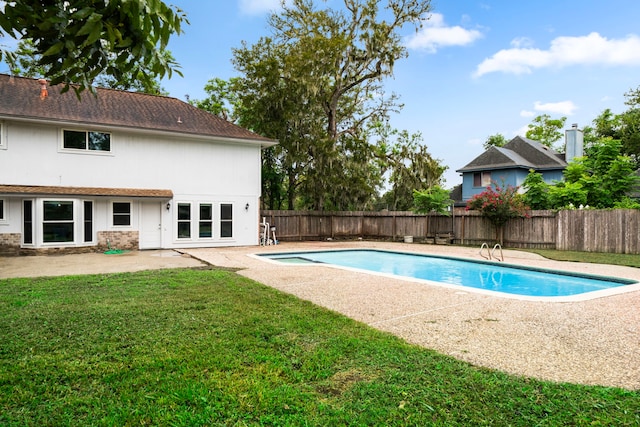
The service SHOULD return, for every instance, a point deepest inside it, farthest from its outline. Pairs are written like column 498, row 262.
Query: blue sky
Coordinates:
column 478, row 67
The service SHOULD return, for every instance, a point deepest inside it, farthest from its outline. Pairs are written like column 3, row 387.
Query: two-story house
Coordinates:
column 510, row 164
column 121, row 169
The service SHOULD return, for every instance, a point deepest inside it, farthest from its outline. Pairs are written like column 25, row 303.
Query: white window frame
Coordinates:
column 221, row 221
column 73, row 221
column 210, row 221
column 33, row 223
column 4, row 210
column 189, row 221
column 113, row 214
column 86, row 149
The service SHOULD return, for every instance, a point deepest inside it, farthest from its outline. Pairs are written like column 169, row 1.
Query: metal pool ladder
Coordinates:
column 491, row 254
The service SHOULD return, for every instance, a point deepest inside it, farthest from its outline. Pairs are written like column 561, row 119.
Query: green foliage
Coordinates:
column 324, row 112
column 499, row 204
column 409, row 165
column 435, row 199
column 27, row 64
column 537, row 191
column 602, row 179
column 80, row 40
column 546, row 130
column 222, row 100
column 567, row 195
column 209, row 347
column 626, row 203
column 497, row 140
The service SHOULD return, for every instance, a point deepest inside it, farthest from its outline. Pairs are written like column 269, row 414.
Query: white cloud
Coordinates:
column 592, row 49
column 257, row 7
column 563, row 107
column 436, row 34
column 525, row 113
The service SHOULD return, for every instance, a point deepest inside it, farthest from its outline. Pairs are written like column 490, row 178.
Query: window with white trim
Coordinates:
column 86, row 140
column 184, row 220
column 205, row 224
column 226, row 220
column 121, row 214
column 3, row 143
column 57, row 221
column 2, row 208
column 27, row 222
column 87, row 221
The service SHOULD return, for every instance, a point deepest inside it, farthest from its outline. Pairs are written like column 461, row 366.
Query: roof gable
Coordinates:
column 518, row 153
column 113, row 108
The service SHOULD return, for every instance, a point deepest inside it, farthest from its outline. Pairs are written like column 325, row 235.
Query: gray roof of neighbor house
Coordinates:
column 519, row 153
column 20, row 98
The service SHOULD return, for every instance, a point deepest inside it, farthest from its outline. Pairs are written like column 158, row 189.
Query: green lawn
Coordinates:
column 209, row 347
column 631, row 260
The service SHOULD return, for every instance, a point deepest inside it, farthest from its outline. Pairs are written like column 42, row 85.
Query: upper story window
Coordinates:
column 482, row 179
column 90, row 141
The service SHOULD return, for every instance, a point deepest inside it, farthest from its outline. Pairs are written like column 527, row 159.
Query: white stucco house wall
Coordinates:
column 121, row 169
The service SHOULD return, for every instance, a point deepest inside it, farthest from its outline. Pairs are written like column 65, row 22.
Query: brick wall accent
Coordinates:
column 10, row 244
column 128, row 240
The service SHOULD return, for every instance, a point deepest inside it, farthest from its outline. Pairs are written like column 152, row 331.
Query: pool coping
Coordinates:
column 628, row 285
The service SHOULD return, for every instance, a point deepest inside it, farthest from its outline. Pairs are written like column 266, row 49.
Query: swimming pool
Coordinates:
column 478, row 275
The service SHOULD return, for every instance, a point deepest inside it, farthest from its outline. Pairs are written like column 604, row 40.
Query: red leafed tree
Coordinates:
column 499, row 204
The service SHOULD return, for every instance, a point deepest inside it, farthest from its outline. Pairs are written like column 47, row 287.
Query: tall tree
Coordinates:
column 77, row 38
column 321, row 75
column 546, row 130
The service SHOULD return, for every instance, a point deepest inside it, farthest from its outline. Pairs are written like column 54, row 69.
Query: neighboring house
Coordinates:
column 510, row 164
column 120, row 169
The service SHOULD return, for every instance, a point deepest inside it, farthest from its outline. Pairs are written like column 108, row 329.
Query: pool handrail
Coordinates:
column 485, row 245
column 497, row 246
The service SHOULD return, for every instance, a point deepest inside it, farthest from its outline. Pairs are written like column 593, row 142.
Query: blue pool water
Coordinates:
column 476, row 274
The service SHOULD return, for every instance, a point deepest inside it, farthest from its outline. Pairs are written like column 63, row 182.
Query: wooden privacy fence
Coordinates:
column 615, row 231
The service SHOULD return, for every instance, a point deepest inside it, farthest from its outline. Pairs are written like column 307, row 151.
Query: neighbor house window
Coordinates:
column 482, row 179
column 57, row 221
column 90, row 141
column 121, row 213
column 184, row 220
column 226, row 220
column 205, row 225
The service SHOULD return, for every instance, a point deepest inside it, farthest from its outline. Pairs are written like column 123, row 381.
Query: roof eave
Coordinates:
column 264, row 143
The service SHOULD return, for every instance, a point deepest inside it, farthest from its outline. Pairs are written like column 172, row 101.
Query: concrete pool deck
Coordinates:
column 594, row 342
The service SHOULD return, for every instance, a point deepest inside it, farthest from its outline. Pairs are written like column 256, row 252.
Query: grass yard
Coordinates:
column 630, row 260
column 209, row 347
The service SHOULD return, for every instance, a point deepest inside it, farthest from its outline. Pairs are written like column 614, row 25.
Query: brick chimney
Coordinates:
column 43, row 88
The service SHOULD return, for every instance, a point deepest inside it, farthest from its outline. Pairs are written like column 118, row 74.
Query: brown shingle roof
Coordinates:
column 85, row 191
column 20, row 98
